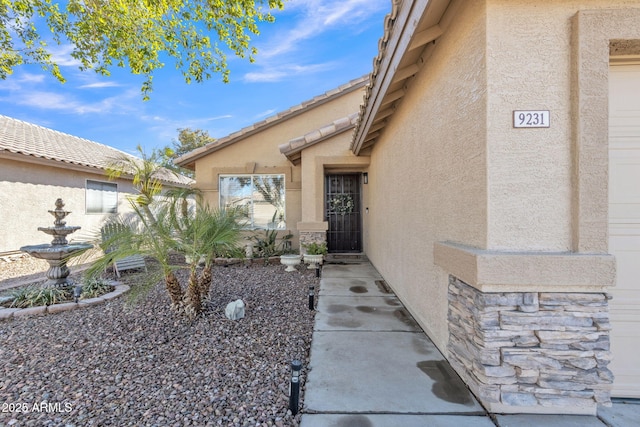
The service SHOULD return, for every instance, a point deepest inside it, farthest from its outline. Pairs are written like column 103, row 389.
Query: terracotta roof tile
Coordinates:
column 293, row 148
column 28, row 139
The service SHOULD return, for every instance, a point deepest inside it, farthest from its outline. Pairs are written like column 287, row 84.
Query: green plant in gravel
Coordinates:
column 161, row 228
column 203, row 236
column 95, row 286
column 266, row 244
column 34, row 296
column 316, row 248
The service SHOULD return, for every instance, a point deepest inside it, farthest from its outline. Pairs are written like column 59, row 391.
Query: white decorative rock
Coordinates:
column 235, row 310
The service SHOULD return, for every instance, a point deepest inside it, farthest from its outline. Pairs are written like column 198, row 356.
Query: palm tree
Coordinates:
column 146, row 173
column 138, row 234
column 201, row 236
column 205, row 235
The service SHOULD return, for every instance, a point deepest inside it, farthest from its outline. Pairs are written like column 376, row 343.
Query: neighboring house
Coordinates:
column 492, row 179
column 39, row 165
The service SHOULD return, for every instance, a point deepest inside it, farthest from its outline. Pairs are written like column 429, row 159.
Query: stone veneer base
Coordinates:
column 308, row 237
column 537, row 352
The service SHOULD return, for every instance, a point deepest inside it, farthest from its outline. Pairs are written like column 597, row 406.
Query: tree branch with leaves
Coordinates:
column 136, row 34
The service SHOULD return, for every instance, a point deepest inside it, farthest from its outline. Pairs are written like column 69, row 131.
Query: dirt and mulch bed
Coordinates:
column 142, row 365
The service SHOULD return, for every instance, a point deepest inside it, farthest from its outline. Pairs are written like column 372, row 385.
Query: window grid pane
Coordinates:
column 101, row 197
column 262, row 198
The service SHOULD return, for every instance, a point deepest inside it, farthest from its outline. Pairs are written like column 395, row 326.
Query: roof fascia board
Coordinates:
column 52, row 163
column 76, row 167
column 407, row 19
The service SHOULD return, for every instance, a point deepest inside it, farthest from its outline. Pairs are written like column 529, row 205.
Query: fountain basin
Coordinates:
column 55, row 252
column 59, row 251
column 59, row 233
column 57, row 257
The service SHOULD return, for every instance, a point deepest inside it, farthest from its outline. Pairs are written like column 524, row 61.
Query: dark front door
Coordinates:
column 342, row 211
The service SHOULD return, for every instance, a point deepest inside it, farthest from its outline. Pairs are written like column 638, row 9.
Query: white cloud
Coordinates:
column 99, row 85
column 318, row 17
column 263, row 114
column 167, row 128
column 61, row 55
column 280, row 72
column 62, row 102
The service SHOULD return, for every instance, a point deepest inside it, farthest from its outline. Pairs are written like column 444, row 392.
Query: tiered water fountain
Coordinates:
column 59, row 251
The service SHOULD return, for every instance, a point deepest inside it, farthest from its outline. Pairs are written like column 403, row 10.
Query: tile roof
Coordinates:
column 188, row 159
column 293, row 148
column 28, row 139
column 410, row 30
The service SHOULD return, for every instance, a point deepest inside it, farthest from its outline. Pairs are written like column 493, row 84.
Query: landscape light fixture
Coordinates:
column 77, row 292
column 294, row 394
column 311, row 295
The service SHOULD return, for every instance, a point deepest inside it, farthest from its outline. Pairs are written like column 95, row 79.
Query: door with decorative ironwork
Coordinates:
column 343, row 213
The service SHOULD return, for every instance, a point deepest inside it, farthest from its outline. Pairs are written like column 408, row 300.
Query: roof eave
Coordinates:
column 403, row 34
column 294, row 147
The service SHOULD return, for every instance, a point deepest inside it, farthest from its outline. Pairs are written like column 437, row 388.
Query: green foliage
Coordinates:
column 266, row 244
column 145, row 172
column 138, row 35
column 209, row 233
column 316, row 248
column 34, row 296
column 237, row 252
column 200, row 233
column 95, row 286
column 189, row 140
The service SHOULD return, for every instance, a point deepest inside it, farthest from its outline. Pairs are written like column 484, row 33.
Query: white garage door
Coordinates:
column 624, row 225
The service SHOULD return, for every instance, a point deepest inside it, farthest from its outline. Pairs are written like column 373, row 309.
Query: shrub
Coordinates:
column 32, row 296
column 94, row 287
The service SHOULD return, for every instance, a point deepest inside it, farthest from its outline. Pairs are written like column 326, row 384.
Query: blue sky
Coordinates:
column 314, row 46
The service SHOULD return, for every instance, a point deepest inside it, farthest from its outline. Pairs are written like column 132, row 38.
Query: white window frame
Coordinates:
column 280, row 223
column 106, row 199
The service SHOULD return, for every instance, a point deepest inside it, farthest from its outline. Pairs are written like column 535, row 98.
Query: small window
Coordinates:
column 260, row 197
column 101, row 197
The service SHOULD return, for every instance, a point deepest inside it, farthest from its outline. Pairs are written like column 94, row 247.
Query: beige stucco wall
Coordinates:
column 529, row 171
column 328, row 156
column 456, row 189
column 28, row 191
column 259, row 153
column 427, row 178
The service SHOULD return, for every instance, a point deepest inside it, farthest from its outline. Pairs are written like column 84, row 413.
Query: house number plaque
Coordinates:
column 531, row 119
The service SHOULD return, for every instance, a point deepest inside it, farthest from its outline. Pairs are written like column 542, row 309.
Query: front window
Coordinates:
column 101, row 197
column 260, row 197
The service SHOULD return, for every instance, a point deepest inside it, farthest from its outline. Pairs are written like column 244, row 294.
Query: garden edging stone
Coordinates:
column 7, row 313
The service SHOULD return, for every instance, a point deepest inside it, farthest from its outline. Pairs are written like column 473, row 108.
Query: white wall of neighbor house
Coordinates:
column 28, row 191
column 427, row 178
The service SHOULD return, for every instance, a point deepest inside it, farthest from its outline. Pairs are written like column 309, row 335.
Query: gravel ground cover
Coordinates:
column 121, row 364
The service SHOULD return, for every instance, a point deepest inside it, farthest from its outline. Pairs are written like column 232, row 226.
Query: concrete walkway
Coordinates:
column 372, row 366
